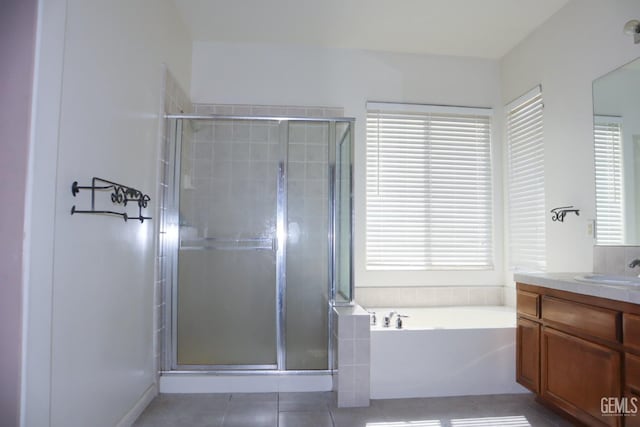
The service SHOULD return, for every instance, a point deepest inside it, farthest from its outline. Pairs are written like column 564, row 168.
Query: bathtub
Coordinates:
column 444, row 351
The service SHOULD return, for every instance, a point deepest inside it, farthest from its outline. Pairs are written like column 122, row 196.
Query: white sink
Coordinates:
column 608, row 279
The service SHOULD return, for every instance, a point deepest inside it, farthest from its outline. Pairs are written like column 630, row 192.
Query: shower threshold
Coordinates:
column 245, row 381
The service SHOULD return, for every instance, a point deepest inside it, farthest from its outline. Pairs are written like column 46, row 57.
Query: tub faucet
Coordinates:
column 387, row 319
column 634, row 263
column 399, row 320
column 374, row 320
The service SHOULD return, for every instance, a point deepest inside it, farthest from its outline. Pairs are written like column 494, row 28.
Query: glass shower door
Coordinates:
column 308, row 250
column 226, row 293
column 343, row 214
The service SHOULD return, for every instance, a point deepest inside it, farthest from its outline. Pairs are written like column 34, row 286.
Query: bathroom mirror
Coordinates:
column 616, row 106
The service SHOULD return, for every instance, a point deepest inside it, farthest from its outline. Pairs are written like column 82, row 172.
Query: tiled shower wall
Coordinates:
column 267, row 110
column 227, row 168
column 174, row 101
column 235, row 165
column 231, row 186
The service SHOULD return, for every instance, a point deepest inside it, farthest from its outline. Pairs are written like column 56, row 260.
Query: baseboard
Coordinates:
column 133, row 414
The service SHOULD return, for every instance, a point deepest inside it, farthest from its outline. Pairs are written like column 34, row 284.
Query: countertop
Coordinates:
column 567, row 282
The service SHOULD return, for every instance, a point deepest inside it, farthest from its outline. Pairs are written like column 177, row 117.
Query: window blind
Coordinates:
column 428, row 191
column 609, row 185
column 525, row 192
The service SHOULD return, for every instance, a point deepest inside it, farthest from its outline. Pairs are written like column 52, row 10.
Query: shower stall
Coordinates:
column 257, row 231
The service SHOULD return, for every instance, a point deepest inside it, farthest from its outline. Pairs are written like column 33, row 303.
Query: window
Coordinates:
column 526, row 202
column 429, row 198
column 609, row 197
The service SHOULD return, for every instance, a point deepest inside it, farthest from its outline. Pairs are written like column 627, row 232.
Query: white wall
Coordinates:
column 583, row 41
column 286, row 75
column 17, row 49
column 95, row 274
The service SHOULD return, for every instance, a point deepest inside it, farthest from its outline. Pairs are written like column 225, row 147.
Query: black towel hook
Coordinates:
column 558, row 214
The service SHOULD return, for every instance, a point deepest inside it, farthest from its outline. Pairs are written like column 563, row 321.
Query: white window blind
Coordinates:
column 429, row 197
column 609, row 184
column 526, row 201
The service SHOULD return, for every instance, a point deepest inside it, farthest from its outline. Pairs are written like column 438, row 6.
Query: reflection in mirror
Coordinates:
column 616, row 104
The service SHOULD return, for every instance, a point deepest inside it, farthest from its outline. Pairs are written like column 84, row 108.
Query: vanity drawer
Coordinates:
column 631, row 331
column 582, row 318
column 632, row 372
column 527, row 303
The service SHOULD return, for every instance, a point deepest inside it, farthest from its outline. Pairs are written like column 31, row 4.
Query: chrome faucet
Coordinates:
column 399, row 320
column 374, row 320
column 634, row 263
column 387, row 319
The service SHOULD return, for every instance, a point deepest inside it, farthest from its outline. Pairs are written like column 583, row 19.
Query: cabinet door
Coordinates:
column 631, row 331
column 528, row 354
column 632, row 388
column 633, row 420
column 576, row 374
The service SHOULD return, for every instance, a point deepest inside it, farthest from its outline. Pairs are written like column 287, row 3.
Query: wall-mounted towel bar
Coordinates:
column 225, row 244
column 120, row 195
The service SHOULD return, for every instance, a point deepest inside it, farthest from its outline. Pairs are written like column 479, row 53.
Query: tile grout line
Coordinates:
column 333, row 421
column 226, row 410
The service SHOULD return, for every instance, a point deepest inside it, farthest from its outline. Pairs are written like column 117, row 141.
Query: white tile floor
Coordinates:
column 319, row 410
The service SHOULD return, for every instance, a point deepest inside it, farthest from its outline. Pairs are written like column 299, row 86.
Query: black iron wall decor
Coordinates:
column 558, row 214
column 120, row 195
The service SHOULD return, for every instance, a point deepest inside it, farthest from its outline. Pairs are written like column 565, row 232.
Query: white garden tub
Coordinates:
column 444, row 351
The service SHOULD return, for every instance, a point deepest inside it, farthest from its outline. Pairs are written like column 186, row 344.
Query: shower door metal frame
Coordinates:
column 335, row 179
column 170, row 225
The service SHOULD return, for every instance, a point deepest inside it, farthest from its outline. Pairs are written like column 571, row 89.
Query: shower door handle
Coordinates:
column 226, row 244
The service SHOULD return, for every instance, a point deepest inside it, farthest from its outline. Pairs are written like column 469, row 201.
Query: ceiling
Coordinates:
column 476, row 28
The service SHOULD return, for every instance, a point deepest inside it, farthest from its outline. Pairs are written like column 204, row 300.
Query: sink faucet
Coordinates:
column 634, row 263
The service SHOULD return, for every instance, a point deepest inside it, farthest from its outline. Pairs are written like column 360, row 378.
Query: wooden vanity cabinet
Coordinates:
column 631, row 340
column 528, row 340
column 577, row 374
column 573, row 350
column 631, row 332
column 528, row 361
